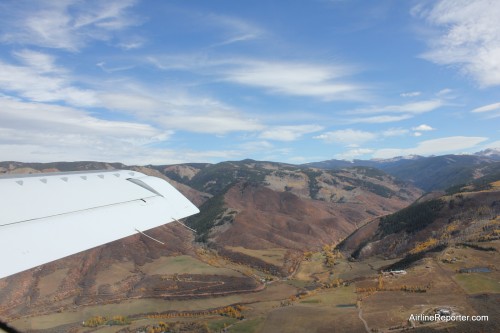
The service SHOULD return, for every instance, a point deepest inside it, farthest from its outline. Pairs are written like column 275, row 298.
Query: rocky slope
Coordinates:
column 471, row 214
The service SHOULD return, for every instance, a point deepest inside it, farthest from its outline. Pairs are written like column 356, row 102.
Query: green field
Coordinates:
column 218, row 325
column 474, row 283
column 247, row 326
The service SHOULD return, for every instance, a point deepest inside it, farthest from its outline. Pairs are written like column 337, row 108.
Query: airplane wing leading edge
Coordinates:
column 44, row 217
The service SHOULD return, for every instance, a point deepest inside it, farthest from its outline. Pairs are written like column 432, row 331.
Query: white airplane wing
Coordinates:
column 44, row 217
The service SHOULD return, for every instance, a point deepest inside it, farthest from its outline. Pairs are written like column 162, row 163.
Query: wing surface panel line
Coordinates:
column 78, row 211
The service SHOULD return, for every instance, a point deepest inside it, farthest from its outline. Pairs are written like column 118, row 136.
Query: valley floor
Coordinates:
column 346, row 297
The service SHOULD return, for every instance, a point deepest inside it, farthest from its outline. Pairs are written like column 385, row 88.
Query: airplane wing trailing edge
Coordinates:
column 44, row 217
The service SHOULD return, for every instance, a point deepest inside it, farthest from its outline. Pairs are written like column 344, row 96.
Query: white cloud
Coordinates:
column 379, row 119
column 132, row 42
column 86, row 149
column 102, row 65
column 487, row 108
column 214, row 122
column 41, row 80
column 293, row 78
column 394, row 132
column 489, row 111
column 288, row 133
column 347, row 136
column 326, row 82
column 38, row 61
column 417, row 134
column 179, row 110
column 423, row 128
column 408, row 108
column 65, row 25
column 133, row 102
column 444, row 92
column 43, row 132
column 433, row 147
column 353, row 138
column 467, row 36
column 405, row 111
column 410, row 94
column 256, row 145
column 264, row 149
column 354, row 153
column 29, row 116
column 495, row 144
column 236, row 29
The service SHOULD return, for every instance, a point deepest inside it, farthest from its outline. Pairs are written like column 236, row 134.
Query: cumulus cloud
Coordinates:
column 423, row 128
column 467, row 36
column 445, row 145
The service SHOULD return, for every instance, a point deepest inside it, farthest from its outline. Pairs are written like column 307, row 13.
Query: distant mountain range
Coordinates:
column 428, row 173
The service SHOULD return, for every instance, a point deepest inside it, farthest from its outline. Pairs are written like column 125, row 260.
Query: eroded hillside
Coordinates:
column 469, row 215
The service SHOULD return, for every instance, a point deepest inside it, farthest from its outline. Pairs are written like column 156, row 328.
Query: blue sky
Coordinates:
column 163, row 82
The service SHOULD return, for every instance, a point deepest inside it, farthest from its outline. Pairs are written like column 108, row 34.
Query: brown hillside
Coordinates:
column 463, row 217
column 266, row 218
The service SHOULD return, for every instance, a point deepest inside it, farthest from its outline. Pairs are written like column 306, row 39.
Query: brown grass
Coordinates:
column 184, row 264
column 273, row 256
column 49, row 283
